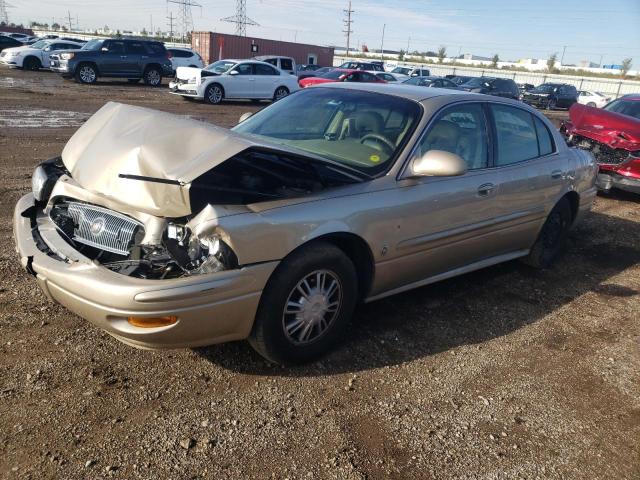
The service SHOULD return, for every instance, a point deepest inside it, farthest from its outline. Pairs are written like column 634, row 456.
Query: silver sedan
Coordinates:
column 168, row 232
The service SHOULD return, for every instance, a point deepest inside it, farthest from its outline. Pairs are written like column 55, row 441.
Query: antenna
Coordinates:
column 240, row 19
column 185, row 17
column 347, row 23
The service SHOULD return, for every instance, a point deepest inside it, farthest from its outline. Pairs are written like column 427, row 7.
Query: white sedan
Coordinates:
column 593, row 99
column 35, row 56
column 233, row 79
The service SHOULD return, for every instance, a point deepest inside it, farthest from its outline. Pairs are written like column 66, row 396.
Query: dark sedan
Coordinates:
column 435, row 82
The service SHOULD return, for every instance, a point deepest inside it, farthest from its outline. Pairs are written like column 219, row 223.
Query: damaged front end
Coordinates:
column 614, row 141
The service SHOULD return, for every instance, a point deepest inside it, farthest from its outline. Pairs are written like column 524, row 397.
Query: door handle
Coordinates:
column 485, row 189
column 557, row 174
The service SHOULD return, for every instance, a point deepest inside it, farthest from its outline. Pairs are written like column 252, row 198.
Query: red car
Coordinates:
column 341, row 75
column 612, row 134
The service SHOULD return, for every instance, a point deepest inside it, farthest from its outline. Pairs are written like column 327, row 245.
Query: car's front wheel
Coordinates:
column 551, row 237
column 591, row 104
column 86, row 73
column 280, row 92
column 214, row 94
column 152, row 76
column 32, row 63
column 551, row 104
column 306, row 305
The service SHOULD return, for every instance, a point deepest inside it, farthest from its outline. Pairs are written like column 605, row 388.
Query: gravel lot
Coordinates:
column 503, row 373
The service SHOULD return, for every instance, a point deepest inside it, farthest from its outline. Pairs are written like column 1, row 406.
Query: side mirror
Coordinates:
column 438, row 163
column 244, row 116
column 104, row 49
column 234, row 72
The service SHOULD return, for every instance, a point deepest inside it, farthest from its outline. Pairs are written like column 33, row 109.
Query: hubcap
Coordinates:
column 281, row 92
column 87, row 74
column 154, row 77
column 215, row 95
column 312, row 306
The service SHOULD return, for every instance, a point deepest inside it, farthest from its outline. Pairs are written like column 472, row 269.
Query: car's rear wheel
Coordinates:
column 214, row 94
column 280, row 92
column 591, row 104
column 552, row 236
column 152, row 76
column 306, row 305
column 551, row 104
column 86, row 73
column 31, row 63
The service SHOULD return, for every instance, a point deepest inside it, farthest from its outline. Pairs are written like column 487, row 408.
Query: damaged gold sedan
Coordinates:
column 168, row 232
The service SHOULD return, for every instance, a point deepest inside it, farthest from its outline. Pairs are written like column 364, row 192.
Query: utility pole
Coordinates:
column 185, row 16
column 382, row 43
column 347, row 23
column 151, row 21
column 170, row 18
column 69, row 16
column 240, row 18
column 564, row 48
column 408, row 43
column 600, row 62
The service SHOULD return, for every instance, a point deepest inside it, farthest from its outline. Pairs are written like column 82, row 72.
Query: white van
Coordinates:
column 286, row 64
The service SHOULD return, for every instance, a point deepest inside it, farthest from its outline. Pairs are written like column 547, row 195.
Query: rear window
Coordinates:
column 545, row 142
column 156, row 48
column 286, row 64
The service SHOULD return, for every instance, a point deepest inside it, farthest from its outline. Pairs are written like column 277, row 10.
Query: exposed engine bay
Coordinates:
column 604, row 154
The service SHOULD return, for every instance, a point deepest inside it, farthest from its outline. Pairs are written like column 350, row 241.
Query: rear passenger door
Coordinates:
column 266, row 81
column 531, row 174
column 136, row 58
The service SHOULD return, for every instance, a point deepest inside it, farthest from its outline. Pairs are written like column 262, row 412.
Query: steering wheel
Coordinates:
column 382, row 140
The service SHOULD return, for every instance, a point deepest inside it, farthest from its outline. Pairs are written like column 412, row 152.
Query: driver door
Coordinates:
column 446, row 223
column 112, row 55
column 240, row 81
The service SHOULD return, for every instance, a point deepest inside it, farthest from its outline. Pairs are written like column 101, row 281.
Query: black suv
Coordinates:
column 9, row 42
column 116, row 58
column 499, row 87
column 551, row 95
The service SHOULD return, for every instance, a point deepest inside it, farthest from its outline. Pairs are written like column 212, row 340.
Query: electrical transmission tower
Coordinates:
column 347, row 24
column 240, row 18
column 185, row 17
column 4, row 14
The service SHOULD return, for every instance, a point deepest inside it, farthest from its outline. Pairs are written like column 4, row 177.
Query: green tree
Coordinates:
column 55, row 26
column 401, row 55
column 442, row 54
column 494, row 61
column 551, row 62
column 625, row 67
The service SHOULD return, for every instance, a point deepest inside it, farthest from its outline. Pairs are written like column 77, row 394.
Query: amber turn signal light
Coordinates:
column 152, row 322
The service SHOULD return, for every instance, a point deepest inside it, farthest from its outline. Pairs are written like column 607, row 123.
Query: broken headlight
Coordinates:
column 201, row 254
column 45, row 177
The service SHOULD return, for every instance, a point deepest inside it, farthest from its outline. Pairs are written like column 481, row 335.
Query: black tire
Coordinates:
column 272, row 339
column 551, row 104
column 280, row 92
column 86, row 73
column 591, row 104
column 152, row 76
column 214, row 94
column 31, row 63
column 133, row 80
column 551, row 237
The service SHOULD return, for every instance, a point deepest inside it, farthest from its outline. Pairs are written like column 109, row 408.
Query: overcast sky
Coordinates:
column 512, row 28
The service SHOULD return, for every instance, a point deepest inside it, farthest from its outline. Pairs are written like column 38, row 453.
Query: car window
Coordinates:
column 265, row 70
column 244, row 69
column 353, row 77
column 515, row 135
column 545, row 141
column 136, row 48
column 114, row 47
column 272, row 61
column 68, row 46
column 448, row 84
column 367, row 77
column 286, row 64
column 155, row 48
column 461, row 130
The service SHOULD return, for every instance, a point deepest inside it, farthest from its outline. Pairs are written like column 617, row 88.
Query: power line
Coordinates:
column 240, row 18
column 347, row 23
column 185, row 16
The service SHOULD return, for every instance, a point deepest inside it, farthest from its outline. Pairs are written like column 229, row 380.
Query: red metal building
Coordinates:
column 215, row 46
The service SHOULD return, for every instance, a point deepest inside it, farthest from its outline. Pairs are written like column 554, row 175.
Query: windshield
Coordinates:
column 332, row 75
column 221, row 66
column 401, row 70
column 460, row 80
column 92, row 45
column 544, row 88
column 422, row 81
column 476, row 82
column 629, row 108
column 356, row 129
column 40, row 44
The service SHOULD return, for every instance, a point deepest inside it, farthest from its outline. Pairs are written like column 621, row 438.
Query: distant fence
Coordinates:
column 608, row 86
column 87, row 36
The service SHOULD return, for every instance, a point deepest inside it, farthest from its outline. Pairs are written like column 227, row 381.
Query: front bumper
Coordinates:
column 211, row 308
column 608, row 180
column 59, row 66
column 536, row 101
column 184, row 89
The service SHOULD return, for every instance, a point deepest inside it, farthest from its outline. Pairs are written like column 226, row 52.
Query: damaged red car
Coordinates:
column 612, row 134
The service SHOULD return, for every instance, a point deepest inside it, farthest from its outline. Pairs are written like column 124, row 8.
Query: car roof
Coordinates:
column 635, row 97
column 180, row 48
column 410, row 92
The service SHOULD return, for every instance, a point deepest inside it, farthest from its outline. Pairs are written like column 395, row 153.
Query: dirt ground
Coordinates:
column 503, row 373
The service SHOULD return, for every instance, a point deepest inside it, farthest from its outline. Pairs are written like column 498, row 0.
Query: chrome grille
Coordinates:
column 102, row 228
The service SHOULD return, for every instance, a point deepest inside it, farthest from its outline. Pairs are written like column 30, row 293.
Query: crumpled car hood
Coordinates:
column 612, row 129
column 122, row 139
